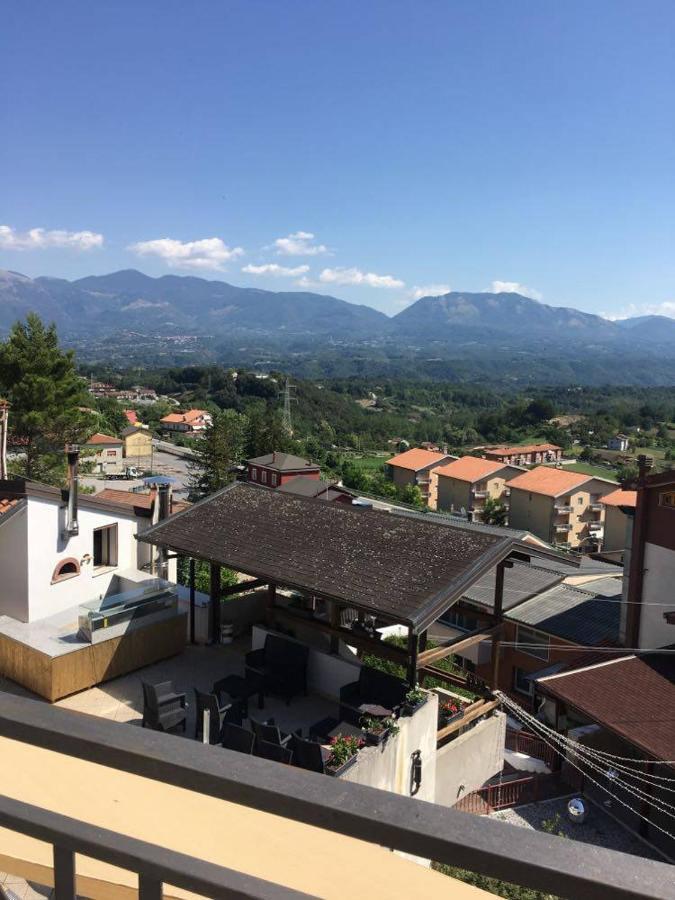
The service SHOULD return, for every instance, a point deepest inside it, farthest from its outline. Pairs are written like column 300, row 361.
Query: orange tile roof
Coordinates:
column 548, row 481
column 528, row 448
column 125, row 498
column 132, row 416
column 99, row 438
column 186, row 417
column 620, row 498
column 6, row 505
column 416, row 459
column 469, row 468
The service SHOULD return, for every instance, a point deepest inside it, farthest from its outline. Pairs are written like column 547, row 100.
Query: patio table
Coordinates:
column 240, row 688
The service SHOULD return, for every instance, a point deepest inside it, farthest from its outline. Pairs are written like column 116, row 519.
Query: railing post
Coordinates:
column 149, row 888
column 206, row 727
column 64, row 874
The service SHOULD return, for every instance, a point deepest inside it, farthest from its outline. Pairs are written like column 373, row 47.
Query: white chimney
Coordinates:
column 73, row 455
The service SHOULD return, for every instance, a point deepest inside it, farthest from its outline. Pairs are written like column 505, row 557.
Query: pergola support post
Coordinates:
column 499, row 617
column 421, row 677
column 270, row 604
column 413, row 649
column 214, row 593
column 334, row 623
column 192, row 580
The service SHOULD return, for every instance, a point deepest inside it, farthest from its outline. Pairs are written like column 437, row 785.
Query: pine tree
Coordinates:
column 47, row 395
column 218, row 452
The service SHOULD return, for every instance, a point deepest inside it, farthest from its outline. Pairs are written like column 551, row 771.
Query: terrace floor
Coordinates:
column 121, row 699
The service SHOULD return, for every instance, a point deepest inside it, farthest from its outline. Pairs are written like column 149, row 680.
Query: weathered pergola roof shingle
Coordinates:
column 401, row 567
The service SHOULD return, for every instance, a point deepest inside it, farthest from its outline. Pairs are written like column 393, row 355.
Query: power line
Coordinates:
column 625, row 650
column 521, row 714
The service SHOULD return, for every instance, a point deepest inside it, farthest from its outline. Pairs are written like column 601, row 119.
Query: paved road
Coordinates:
column 163, row 464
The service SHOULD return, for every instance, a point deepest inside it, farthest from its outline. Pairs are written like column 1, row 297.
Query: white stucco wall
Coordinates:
column 46, row 548
column 14, row 565
column 468, row 761
column 657, row 587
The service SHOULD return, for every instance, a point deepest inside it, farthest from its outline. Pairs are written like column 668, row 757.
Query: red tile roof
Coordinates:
column 416, row 459
column 187, row 418
column 620, row 498
column 99, row 439
column 137, row 501
column 6, row 505
column 132, row 416
column 631, row 696
column 548, row 481
column 528, row 448
column 469, row 468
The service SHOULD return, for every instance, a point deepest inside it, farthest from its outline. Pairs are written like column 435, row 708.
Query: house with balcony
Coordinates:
column 526, row 455
column 562, row 507
column 276, row 469
column 417, row 467
column 466, row 483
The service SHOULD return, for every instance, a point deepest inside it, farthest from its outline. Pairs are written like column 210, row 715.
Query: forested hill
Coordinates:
column 127, row 316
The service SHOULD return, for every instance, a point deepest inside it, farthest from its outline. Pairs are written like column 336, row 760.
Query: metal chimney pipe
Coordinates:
column 4, row 418
column 164, row 504
column 73, row 455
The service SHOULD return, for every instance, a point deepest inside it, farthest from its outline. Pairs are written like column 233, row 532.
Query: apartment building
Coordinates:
column 466, row 483
column 649, row 560
column 415, row 467
column 193, row 421
column 561, row 507
column 528, row 455
column 619, row 507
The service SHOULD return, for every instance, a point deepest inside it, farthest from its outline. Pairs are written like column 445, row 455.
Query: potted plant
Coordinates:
column 343, row 750
column 448, row 711
column 376, row 730
column 414, row 699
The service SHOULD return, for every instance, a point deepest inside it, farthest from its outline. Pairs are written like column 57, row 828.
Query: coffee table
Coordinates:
column 240, row 688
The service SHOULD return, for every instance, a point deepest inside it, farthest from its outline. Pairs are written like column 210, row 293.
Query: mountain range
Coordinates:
column 455, row 325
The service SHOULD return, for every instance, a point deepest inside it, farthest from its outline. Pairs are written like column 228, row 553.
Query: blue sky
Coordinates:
column 419, row 145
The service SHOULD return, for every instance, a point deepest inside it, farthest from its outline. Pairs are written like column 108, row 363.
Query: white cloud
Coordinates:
column 428, row 290
column 209, row 253
column 355, row 276
column 300, row 243
column 666, row 308
column 39, row 239
column 514, row 287
column 276, row 270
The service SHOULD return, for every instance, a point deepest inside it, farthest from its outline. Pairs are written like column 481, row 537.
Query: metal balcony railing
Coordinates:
column 540, row 861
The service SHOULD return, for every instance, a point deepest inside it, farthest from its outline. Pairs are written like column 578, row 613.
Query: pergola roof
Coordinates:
column 402, row 567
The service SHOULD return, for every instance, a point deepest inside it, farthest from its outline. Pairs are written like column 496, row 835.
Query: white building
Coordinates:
column 53, row 557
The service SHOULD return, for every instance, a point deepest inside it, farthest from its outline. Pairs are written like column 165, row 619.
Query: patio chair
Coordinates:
column 309, row 755
column 373, row 687
column 229, row 712
column 268, row 732
column 283, row 665
column 163, row 708
column 236, row 738
column 275, row 752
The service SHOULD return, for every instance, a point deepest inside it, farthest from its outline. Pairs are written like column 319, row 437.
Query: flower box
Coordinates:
column 409, row 709
column 338, row 770
column 449, row 711
column 375, row 738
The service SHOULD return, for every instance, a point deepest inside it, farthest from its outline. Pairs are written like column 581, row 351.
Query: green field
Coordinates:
column 369, row 464
column 587, row 469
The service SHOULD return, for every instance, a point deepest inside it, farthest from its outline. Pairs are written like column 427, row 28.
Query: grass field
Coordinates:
column 369, row 464
column 587, row 469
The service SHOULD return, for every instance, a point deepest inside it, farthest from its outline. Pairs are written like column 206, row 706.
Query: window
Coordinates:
column 254, row 474
column 580, row 500
column 263, row 476
column 111, row 452
column 105, row 546
column 529, row 636
column 521, row 682
column 274, row 480
column 459, row 619
column 667, row 499
column 67, row 568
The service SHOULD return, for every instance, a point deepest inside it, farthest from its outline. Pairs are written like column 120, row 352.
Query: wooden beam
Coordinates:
column 361, row 642
column 242, row 586
column 455, row 645
column 191, row 568
column 448, row 677
column 473, row 712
